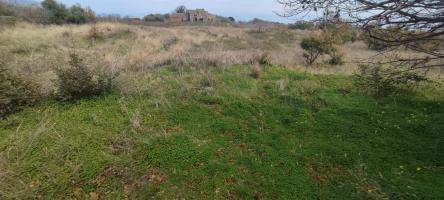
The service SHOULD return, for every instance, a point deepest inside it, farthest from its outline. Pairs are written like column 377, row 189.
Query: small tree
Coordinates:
column 313, row 47
column 77, row 15
column 58, row 12
column 181, row 9
column 5, row 9
column 231, row 19
column 78, row 80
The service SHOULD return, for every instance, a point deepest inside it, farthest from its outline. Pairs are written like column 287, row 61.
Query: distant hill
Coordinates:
column 22, row 2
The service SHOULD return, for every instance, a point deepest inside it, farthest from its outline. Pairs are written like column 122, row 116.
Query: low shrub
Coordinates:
column 190, row 61
column 156, row 18
column 341, row 33
column 8, row 21
column 78, row 80
column 377, row 81
column 15, row 92
column 168, row 43
column 208, row 80
column 374, row 44
column 301, row 25
column 118, row 35
column 94, row 33
column 336, row 58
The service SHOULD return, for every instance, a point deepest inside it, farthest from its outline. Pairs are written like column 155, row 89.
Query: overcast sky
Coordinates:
column 239, row 9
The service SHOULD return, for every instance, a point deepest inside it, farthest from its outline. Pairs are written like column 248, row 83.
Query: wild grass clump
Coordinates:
column 188, row 61
column 262, row 59
column 78, row 80
column 94, row 33
column 170, row 42
column 256, row 71
column 15, row 92
column 208, row 80
column 119, row 35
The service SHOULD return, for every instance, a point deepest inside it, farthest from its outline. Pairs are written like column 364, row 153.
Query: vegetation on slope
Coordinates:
column 220, row 133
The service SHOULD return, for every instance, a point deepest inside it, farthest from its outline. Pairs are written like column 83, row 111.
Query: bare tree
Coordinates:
column 181, row 9
column 397, row 23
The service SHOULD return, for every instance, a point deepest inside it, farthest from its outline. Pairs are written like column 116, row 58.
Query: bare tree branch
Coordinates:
column 396, row 23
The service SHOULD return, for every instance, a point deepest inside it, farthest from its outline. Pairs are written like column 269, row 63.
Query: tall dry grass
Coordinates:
column 36, row 50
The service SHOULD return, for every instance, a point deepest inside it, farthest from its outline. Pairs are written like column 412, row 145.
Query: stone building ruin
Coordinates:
column 198, row 15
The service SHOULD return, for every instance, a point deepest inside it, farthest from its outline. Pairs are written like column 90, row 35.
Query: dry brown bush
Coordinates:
column 15, row 92
column 256, row 71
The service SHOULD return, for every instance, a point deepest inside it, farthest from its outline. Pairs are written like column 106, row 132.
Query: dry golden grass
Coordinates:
column 36, row 50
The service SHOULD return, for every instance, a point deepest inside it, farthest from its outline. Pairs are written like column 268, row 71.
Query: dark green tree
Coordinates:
column 156, row 17
column 59, row 13
column 181, row 9
column 314, row 47
column 5, row 9
column 77, row 15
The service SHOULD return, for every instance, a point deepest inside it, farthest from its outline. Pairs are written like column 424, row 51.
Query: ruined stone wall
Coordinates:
column 198, row 15
column 178, row 17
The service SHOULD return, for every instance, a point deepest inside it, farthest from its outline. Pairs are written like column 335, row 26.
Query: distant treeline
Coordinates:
column 156, row 17
column 53, row 12
column 50, row 12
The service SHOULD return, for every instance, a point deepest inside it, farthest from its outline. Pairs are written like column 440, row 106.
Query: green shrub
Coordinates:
column 58, row 11
column 15, row 92
column 341, row 33
column 327, row 42
column 60, row 14
column 377, row 81
column 301, row 25
column 314, row 47
column 6, row 21
column 77, row 15
column 156, row 18
column 6, row 9
column 78, row 80
column 336, row 58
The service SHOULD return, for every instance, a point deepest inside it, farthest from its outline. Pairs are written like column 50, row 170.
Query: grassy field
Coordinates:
column 36, row 50
column 221, row 134
column 190, row 118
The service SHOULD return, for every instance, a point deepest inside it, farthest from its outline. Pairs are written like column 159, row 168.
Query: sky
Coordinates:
column 239, row 9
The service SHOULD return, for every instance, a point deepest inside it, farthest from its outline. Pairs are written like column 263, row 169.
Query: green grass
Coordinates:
column 285, row 135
